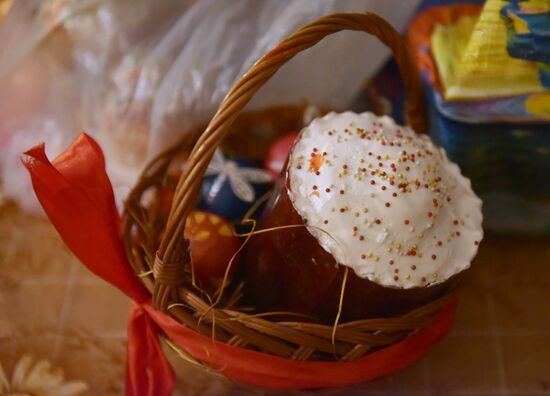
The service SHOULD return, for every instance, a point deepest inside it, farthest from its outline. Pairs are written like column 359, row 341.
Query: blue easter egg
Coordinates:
column 233, row 187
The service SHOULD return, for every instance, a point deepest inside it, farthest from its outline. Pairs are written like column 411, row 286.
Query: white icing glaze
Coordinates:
column 390, row 203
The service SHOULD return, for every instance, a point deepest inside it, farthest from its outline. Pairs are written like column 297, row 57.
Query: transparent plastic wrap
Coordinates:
column 137, row 75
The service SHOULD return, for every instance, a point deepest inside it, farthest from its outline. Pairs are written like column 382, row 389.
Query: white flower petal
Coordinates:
column 256, row 175
column 218, row 157
column 217, row 185
column 4, row 384
column 42, row 377
column 68, row 389
column 20, row 372
column 241, row 188
column 217, row 164
column 38, row 379
column 213, row 169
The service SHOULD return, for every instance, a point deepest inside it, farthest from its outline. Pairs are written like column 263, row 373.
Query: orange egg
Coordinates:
column 212, row 244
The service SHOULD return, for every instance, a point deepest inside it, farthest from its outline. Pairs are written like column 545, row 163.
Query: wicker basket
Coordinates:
column 158, row 252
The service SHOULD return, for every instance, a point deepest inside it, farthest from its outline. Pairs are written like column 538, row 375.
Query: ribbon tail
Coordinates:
column 148, row 372
column 77, row 196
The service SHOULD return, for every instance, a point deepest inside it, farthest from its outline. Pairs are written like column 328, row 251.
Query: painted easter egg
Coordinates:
column 232, row 186
column 212, row 244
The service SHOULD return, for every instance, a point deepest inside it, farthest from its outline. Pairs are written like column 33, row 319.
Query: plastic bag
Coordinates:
column 137, row 74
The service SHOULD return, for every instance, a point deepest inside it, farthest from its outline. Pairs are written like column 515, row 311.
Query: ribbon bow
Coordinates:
column 77, row 196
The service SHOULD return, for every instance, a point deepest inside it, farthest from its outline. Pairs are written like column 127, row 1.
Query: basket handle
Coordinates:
column 171, row 257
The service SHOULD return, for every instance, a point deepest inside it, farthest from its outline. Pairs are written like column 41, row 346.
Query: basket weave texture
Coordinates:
column 159, row 254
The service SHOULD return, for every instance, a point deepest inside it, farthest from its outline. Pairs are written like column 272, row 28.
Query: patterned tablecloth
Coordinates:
column 51, row 307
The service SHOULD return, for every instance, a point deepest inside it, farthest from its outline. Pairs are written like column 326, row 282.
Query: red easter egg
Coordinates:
column 212, row 244
column 278, row 153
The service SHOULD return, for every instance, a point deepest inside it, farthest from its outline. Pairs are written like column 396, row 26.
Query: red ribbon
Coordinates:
column 78, row 198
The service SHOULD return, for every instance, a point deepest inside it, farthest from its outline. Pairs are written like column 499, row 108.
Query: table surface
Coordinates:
column 51, row 307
